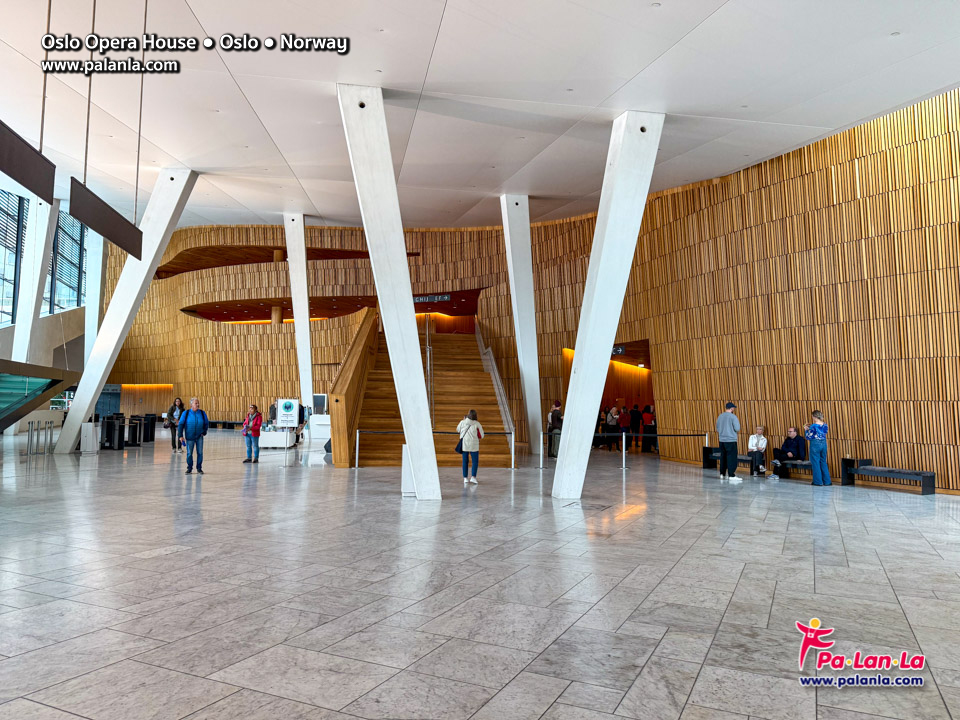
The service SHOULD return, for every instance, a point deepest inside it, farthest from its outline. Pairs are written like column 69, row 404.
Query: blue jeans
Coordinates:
column 191, row 444
column 474, row 456
column 253, row 446
column 818, row 462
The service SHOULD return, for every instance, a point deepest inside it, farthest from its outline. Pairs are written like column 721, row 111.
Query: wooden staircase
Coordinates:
column 460, row 384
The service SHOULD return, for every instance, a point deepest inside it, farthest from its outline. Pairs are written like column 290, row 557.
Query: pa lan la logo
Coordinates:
column 815, row 636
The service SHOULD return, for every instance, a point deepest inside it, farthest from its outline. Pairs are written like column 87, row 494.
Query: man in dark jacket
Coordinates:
column 554, row 427
column 793, row 448
column 192, row 428
column 636, row 424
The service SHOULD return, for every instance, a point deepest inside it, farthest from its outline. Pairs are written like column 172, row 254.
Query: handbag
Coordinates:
column 166, row 424
column 459, row 447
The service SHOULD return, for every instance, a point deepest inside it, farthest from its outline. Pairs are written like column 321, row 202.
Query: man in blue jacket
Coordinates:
column 192, row 427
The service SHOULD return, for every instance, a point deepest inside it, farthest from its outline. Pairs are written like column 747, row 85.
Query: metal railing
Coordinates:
column 513, row 443
column 623, row 442
column 34, row 446
column 490, row 365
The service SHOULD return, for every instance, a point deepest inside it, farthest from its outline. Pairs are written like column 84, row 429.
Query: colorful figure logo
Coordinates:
column 288, row 406
column 813, row 636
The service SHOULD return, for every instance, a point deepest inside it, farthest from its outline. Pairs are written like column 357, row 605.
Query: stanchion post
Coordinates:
column 623, row 451
column 30, row 438
column 541, row 449
column 513, row 439
column 356, row 463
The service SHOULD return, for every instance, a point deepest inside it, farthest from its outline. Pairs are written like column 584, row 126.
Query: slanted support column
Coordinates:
column 159, row 220
column 630, row 161
column 516, row 234
column 41, row 228
column 93, row 302
column 366, row 129
column 300, row 297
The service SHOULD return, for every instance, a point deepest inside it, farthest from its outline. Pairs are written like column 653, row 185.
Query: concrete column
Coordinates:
column 167, row 201
column 630, row 162
column 516, row 235
column 93, row 302
column 300, row 296
column 369, row 146
column 41, row 228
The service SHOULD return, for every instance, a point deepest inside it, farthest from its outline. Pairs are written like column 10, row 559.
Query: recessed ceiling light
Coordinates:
column 895, row 34
column 569, row 89
column 380, row 71
column 654, row 4
column 744, row 106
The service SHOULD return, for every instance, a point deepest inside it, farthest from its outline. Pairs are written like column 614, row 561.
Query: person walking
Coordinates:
column 193, row 428
column 173, row 418
column 613, row 428
column 816, row 434
column 728, row 425
column 251, row 433
column 554, row 425
column 471, row 433
column 636, row 426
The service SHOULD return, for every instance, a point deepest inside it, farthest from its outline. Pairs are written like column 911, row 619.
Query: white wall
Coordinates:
column 52, row 332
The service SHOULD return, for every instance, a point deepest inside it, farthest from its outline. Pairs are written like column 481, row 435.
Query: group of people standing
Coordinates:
column 624, row 425
column 189, row 426
column 793, row 447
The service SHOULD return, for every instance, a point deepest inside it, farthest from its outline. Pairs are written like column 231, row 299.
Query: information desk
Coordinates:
column 277, row 439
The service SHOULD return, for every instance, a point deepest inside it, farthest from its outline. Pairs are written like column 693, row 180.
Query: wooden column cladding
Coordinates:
column 827, row 278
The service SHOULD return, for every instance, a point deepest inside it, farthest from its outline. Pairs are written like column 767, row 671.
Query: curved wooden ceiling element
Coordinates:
column 258, row 310
column 201, row 258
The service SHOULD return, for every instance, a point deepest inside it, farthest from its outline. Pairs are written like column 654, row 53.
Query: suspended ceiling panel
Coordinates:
column 481, row 98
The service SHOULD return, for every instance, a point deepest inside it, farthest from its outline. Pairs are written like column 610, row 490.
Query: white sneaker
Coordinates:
column 464, row 481
column 762, row 468
column 473, row 481
column 776, row 463
column 723, row 476
column 773, row 477
column 734, row 480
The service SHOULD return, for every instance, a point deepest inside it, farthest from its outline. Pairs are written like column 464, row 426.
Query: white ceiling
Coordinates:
column 483, row 96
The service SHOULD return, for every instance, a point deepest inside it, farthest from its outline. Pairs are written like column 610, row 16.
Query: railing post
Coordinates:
column 30, row 438
column 541, row 449
column 357, row 451
column 513, row 437
column 623, row 451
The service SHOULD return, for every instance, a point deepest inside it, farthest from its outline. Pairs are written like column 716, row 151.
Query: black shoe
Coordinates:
column 248, row 460
column 188, row 471
column 256, row 460
column 199, row 470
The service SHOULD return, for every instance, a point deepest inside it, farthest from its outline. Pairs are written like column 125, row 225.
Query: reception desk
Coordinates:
column 277, row 439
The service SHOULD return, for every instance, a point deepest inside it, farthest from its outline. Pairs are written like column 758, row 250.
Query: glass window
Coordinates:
column 65, row 281
column 13, row 220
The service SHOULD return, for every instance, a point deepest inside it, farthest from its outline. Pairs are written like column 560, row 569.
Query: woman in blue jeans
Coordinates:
column 816, row 434
column 471, row 432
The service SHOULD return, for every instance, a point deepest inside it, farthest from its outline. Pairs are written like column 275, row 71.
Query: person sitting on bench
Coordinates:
column 794, row 448
column 757, row 450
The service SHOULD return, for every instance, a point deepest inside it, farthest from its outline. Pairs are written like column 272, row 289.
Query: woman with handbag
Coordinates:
column 471, row 433
column 173, row 419
column 251, row 433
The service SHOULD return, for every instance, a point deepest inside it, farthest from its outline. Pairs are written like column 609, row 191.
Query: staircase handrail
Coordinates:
column 490, row 365
column 346, row 392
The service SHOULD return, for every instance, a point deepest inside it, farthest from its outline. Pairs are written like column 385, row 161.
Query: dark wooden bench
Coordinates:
column 711, row 456
column 926, row 480
column 785, row 466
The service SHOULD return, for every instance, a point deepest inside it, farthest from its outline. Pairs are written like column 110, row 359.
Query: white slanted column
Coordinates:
column 516, row 234
column 300, row 296
column 93, row 301
column 159, row 221
column 626, row 180
column 366, row 129
column 41, row 228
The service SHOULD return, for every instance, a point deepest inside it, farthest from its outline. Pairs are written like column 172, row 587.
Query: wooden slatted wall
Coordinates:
column 825, row 278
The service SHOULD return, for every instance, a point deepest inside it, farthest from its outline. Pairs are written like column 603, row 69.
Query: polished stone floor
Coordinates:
column 130, row 591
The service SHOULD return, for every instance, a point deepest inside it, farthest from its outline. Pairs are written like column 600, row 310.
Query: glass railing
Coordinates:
column 16, row 391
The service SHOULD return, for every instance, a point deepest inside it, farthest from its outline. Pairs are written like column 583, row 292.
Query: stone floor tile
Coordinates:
column 411, row 695
column 526, row 697
column 661, row 690
column 479, row 663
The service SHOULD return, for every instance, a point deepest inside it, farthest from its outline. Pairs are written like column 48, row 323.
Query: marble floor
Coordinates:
column 290, row 589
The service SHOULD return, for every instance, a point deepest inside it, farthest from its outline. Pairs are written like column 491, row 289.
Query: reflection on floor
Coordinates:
column 129, row 590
